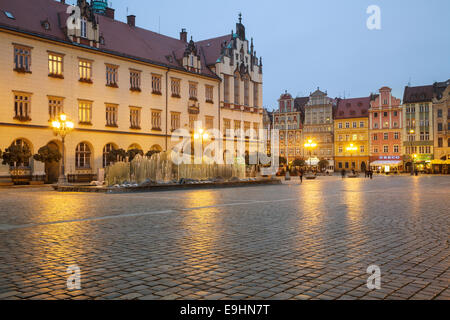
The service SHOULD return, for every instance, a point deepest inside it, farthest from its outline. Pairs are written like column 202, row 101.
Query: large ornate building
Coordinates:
column 318, row 125
column 351, row 133
column 288, row 120
column 123, row 86
column 418, row 127
column 441, row 119
column 385, row 125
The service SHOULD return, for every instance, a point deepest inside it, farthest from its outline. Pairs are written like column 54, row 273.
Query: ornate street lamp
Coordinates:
column 310, row 145
column 201, row 134
column 61, row 126
column 351, row 148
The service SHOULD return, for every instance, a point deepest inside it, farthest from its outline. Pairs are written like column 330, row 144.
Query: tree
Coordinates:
column 150, row 153
column 16, row 155
column 116, row 155
column 132, row 153
column 323, row 164
column 298, row 163
column 282, row 160
column 47, row 154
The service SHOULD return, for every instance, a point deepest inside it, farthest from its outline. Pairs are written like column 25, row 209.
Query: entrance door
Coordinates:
column 52, row 168
column 363, row 166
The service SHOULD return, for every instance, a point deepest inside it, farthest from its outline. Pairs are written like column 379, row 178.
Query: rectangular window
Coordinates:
column 55, row 107
column 340, row 149
column 156, row 120
column 22, row 58
column 340, row 125
column 361, row 124
column 193, row 91
column 439, row 127
column 85, row 70
column 385, row 149
column 112, row 111
column 386, row 136
column 135, row 80
column 375, row 149
column 347, row 125
column 175, row 120
column 209, row 122
column 361, row 149
column 84, row 112
column 156, row 84
column 396, row 135
column 237, row 125
column 256, row 128
column 83, row 32
column 255, row 94
column 55, row 65
column 354, row 125
column 192, row 121
column 396, row 149
column 226, row 126
column 375, row 137
column 175, row 85
column 209, row 94
column 135, row 118
column 112, row 76
column 247, row 128
column 22, row 106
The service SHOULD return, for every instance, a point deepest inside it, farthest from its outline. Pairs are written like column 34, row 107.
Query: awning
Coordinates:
column 386, row 163
column 440, row 162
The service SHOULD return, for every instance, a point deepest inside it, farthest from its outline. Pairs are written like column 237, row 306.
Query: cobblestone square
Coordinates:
column 292, row 241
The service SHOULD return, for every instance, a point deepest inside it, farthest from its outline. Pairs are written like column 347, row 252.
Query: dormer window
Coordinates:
column 83, row 33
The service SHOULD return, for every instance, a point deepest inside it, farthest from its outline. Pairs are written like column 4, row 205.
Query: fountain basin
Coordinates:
column 168, row 187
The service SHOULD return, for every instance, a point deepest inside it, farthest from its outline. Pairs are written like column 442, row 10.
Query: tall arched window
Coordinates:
column 106, row 150
column 237, row 84
column 83, row 156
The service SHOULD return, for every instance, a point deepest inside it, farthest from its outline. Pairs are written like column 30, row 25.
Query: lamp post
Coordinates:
column 61, row 126
column 351, row 148
column 201, row 134
column 413, row 161
column 310, row 145
column 411, row 151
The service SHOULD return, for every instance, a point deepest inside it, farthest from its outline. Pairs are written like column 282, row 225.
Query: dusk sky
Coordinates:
column 321, row 43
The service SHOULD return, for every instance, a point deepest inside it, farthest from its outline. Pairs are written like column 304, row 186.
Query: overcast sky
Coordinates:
column 320, row 43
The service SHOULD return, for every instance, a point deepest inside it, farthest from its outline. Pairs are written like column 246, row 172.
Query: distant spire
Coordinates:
column 240, row 17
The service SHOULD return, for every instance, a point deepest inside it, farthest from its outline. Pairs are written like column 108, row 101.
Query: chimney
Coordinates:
column 110, row 13
column 131, row 20
column 183, row 35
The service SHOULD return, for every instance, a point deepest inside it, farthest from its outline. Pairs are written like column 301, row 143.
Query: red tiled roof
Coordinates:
column 418, row 94
column 353, row 108
column 120, row 38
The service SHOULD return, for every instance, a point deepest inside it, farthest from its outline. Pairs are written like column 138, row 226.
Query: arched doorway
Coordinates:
column 52, row 168
column 363, row 166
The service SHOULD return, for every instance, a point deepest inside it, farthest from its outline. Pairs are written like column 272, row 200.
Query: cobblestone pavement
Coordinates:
column 310, row 241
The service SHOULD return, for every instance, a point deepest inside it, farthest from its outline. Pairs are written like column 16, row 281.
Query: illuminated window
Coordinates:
column 83, row 156
column 22, row 106
column 85, row 70
column 84, row 112
column 55, row 65
column 55, row 107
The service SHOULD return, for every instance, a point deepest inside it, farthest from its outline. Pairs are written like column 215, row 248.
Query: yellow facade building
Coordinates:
column 123, row 86
column 351, row 132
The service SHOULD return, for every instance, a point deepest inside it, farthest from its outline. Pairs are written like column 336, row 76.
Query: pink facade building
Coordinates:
column 385, row 129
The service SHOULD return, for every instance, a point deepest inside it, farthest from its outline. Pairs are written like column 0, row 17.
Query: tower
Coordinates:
column 99, row 6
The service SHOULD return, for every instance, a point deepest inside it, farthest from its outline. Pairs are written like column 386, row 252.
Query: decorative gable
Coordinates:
column 191, row 58
column 82, row 25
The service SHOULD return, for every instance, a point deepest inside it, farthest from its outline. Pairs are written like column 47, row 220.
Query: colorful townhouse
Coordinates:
column 385, row 126
column 351, row 132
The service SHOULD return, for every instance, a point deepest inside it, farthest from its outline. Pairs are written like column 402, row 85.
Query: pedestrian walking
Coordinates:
column 300, row 174
column 343, row 173
column 371, row 174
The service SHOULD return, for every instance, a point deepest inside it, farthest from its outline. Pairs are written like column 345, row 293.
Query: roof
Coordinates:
column 120, row 38
column 439, row 88
column 418, row 94
column 353, row 108
column 300, row 102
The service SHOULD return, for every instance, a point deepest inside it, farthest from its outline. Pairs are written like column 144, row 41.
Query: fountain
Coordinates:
column 160, row 169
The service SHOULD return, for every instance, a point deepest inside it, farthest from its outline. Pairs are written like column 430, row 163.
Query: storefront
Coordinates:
column 440, row 166
column 386, row 164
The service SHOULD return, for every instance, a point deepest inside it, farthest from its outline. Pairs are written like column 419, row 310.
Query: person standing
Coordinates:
column 300, row 174
column 343, row 173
